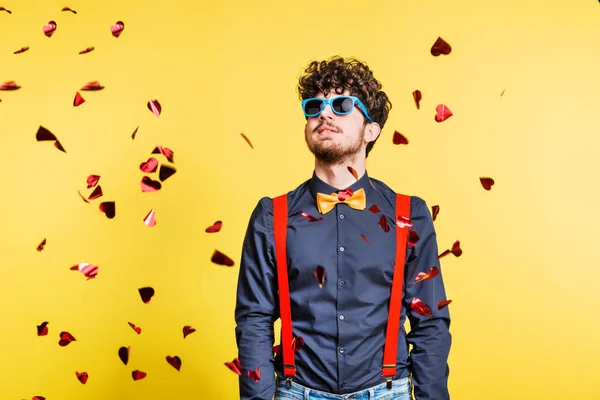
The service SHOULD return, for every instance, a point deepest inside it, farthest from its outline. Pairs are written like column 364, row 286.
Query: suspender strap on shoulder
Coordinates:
column 391, row 336
column 280, row 216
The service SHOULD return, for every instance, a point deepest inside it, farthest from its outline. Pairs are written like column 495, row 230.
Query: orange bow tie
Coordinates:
column 356, row 200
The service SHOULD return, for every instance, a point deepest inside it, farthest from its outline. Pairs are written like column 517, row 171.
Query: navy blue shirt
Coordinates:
column 343, row 324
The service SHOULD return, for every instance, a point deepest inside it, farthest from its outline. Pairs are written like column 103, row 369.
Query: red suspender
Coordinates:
column 280, row 215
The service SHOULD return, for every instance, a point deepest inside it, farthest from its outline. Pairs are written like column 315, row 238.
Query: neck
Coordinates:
column 339, row 176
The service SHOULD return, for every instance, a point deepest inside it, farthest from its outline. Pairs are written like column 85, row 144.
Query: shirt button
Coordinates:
column 342, row 216
column 342, row 350
column 342, row 283
column 341, row 317
column 342, row 248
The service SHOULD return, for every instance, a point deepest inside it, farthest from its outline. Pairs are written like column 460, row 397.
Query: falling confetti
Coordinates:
column 165, row 172
column 42, row 329
column 87, row 50
column 419, row 307
column 413, row 237
column 216, row 227
column 235, row 366
column 41, row 245
column 148, row 185
column 247, row 140
column 44, row 134
column 117, row 29
column 486, row 182
column 374, row 209
column 49, row 28
column 10, row 85
column 92, row 181
column 134, row 132
column 137, row 329
column 68, row 9
column 320, row 275
column 82, row 376
column 442, row 113
column 65, row 339
column 402, row 221
column 78, row 100
column 383, row 223
column 425, row 276
column 146, row 293
column 4, row 9
column 108, row 208
column 187, row 330
column 344, row 194
column 440, row 47
column 124, row 354
column 155, row 107
column 353, row 172
column 443, row 303
column 255, row 375
column 456, row 250
column 435, row 211
column 502, row 94
column 83, row 197
column 165, row 151
column 175, row 362
column 92, row 86
column 365, row 239
column 399, row 138
column 150, row 219
column 88, row 270
column 310, row 217
column 137, row 375
column 221, row 259
column 96, row 193
column 417, row 97
column 38, row 398
column 297, row 343
column 149, row 166
column 22, row 50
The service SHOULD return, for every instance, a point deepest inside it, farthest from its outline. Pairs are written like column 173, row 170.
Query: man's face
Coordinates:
column 335, row 139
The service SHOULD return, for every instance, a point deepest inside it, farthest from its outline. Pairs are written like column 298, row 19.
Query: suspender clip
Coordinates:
column 388, row 383
column 288, row 383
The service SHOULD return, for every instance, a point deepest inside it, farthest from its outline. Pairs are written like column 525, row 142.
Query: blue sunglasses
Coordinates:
column 340, row 105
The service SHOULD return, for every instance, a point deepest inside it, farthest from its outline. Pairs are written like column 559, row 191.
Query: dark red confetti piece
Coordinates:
column 82, row 376
column 487, row 183
column 456, row 250
column 68, row 9
column 44, row 134
column 149, row 185
column 4, row 9
column 165, row 151
column 10, row 85
column 216, row 227
column 353, row 172
column 108, row 208
column 87, row 50
column 221, row 259
column 137, row 375
column 374, row 209
column 134, row 133
column 425, row 276
column 92, row 181
column 65, row 339
column 124, row 354
column 175, row 362
column 41, row 245
column 22, row 50
column 443, row 303
column 149, row 166
column 117, row 29
column 187, row 330
column 92, row 86
column 435, row 211
column 255, row 375
column 320, row 275
column 42, row 329
column 155, row 107
column 402, row 221
column 399, row 138
column 96, row 193
column 38, row 398
column 344, row 194
column 49, row 28
column 383, row 223
column 440, row 47
column 413, row 237
column 419, row 307
column 146, row 294
column 442, row 113
column 137, row 329
column 310, row 217
column 297, row 343
column 165, row 172
column 150, row 218
column 247, row 140
column 365, row 239
column 235, row 366
column 417, row 96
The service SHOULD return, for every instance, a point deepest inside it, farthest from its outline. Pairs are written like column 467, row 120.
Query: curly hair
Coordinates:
column 340, row 74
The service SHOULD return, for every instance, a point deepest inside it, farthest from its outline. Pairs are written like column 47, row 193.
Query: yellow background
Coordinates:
column 525, row 299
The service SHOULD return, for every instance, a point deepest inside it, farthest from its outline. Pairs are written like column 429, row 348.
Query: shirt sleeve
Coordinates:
column 257, row 305
column 429, row 335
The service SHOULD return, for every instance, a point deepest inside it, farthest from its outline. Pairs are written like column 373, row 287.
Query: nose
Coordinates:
column 327, row 112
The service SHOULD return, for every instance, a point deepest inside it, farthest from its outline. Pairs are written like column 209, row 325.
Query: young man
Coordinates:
column 341, row 255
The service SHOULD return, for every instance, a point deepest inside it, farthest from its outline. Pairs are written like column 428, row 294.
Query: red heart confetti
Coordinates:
column 374, row 209
column 235, row 366
column 96, row 193
column 487, row 183
column 91, row 86
column 68, row 9
column 344, row 194
column 134, row 132
column 149, row 185
column 155, row 107
column 117, row 29
column 413, row 237
column 137, row 329
column 187, row 330
column 247, row 140
column 4, row 9
column 443, row 113
column 320, row 275
column 146, row 294
column 425, row 276
column 150, row 165
column 124, row 354
column 137, row 375
column 108, row 208
column 310, row 218
column 82, row 376
column 417, row 96
column 221, row 259
column 255, row 375
column 92, row 181
column 402, row 221
column 175, row 362
column 435, row 211
column 399, row 138
column 49, row 28
column 165, row 151
column 41, row 245
column 150, row 219
column 38, row 398
column 65, row 339
column 456, row 250
column 383, row 223
column 419, row 307
column 165, row 172
column 216, row 227
column 44, row 134
column 353, row 172
column 87, row 50
column 42, row 329
column 443, row 303
column 88, row 270
column 440, row 47
column 363, row 237
column 21, row 50
column 10, row 85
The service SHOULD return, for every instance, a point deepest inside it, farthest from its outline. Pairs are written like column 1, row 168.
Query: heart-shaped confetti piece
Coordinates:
column 49, row 28
column 442, row 113
column 117, row 29
column 440, row 47
column 175, row 362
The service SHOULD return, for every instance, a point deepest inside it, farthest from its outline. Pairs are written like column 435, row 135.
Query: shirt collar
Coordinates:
column 319, row 186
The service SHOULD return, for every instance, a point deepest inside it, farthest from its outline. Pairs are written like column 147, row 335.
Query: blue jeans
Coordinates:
column 401, row 390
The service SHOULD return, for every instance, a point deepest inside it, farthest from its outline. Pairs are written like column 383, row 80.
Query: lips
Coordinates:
column 329, row 129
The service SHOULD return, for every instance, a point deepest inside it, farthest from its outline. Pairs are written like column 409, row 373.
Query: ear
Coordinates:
column 372, row 132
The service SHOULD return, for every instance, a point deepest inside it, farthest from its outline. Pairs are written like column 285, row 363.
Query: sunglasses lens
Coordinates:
column 313, row 107
column 342, row 105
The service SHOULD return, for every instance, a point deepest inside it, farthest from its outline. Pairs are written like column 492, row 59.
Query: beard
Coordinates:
column 330, row 153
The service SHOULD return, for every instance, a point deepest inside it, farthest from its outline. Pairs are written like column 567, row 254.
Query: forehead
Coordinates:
column 332, row 93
